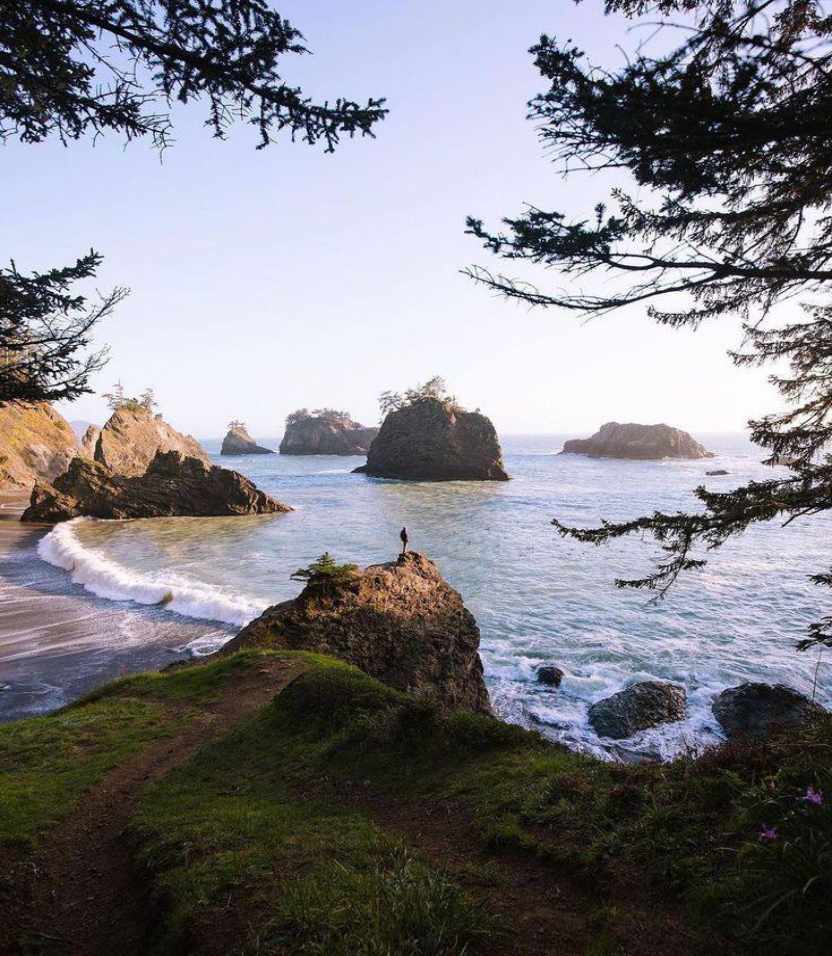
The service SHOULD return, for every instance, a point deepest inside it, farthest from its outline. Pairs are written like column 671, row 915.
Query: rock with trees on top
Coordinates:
column 427, row 436
column 325, row 431
column 238, row 442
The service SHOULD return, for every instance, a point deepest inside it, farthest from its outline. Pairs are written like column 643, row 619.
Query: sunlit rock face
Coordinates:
column 36, row 443
column 323, row 435
column 129, row 441
column 400, row 622
column 239, row 442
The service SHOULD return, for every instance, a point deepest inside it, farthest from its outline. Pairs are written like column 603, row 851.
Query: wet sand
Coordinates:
column 58, row 641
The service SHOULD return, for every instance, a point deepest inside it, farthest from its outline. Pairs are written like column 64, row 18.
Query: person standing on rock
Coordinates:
column 403, row 536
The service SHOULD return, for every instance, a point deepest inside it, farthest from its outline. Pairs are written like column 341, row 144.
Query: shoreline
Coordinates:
column 59, row 641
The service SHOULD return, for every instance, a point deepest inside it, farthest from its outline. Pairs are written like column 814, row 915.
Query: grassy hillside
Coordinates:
column 283, row 802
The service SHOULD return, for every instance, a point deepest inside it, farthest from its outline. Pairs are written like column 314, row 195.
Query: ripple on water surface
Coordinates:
column 537, row 597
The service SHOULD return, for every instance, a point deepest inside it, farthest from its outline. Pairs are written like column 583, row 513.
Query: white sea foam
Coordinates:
column 105, row 578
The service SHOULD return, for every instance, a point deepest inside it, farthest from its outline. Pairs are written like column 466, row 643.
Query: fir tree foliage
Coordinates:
column 325, row 569
column 69, row 68
column 45, row 330
column 726, row 135
column 434, row 388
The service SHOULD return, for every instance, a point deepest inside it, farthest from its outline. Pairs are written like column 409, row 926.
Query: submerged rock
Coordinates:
column 550, row 675
column 434, row 440
column 172, row 485
column 399, row 622
column 239, row 442
column 36, row 443
column 637, row 442
column 716, row 471
column 129, row 441
column 638, row 707
column 753, row 709
column 325, row 432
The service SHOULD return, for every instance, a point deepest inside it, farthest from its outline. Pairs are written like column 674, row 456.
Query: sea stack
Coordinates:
column 172, row 485
column 399, row 622
column 639, row 442
column 433, row 439
column 239, row 442
column 129, row 441
column 325, row 431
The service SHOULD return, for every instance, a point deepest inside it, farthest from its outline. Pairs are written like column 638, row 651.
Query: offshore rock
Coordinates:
column 431, row 440
column 399, row 622
column 638, row 707
column 645, row 442
column 754, row 709
column 549, row 675
column 36, row 443
column 129, row 441
column 173, row 485
column 239, row 442
column 326, row 435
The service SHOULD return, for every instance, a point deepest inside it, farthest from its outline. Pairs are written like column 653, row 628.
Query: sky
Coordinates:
column 267, row 280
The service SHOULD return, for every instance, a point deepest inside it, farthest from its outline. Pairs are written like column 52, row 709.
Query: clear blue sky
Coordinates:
column 267, row 280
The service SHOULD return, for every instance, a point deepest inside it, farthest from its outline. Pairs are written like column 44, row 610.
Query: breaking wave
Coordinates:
column 107, row 579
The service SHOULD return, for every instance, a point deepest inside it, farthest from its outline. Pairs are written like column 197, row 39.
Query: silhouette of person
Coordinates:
column 403, row 536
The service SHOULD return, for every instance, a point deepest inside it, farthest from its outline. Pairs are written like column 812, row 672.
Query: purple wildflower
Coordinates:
column 768, row 833
column 813, row 796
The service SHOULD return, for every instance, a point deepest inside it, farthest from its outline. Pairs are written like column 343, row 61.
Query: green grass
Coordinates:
column 225, row 832
column 46, row 763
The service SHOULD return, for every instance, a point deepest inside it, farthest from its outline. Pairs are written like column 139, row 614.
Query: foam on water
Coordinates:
column 538, row 599
column 105, row 578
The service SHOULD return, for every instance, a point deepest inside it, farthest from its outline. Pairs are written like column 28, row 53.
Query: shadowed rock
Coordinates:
column 129, row 441
column 172, row 485
column 399, row 622
column 239, row 442
column 431, row 440
column 549, row 675
column 753, row 709
column 637, row 442
column 638, row 707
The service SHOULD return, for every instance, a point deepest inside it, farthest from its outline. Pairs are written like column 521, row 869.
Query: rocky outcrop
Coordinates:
column 753, row 709
column 432, row 440
column 129, row 441
column 637, row 442
column 172, row 485
column 89, row 441
column 239, row 442
column 638, row 707
column 399, row 622
column 326, row 435
column 549, row 675
column 36, row 443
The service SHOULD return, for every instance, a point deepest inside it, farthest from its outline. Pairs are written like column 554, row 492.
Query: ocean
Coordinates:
column 157, row 589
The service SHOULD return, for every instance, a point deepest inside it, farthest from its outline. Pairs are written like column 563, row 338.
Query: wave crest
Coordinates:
column 107, row 579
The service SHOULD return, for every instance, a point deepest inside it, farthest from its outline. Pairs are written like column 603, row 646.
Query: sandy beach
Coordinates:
column 58, row 641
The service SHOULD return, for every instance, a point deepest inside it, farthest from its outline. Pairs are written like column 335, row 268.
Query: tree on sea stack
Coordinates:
column 726, row 134
column 76, row 68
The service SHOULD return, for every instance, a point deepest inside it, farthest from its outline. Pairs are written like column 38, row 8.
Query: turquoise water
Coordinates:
column 537, row 598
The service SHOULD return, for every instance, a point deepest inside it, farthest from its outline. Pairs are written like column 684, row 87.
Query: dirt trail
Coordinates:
column 546, row 909
column 86, row 899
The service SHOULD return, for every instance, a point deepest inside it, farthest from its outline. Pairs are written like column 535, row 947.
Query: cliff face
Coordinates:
column 318, row 435
column 171, row 486
column 129, row 441
column 637, row 442
column 89, row 441
column 430, row 441
column 399, row 622
column 239, row 442
column 35, row 443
